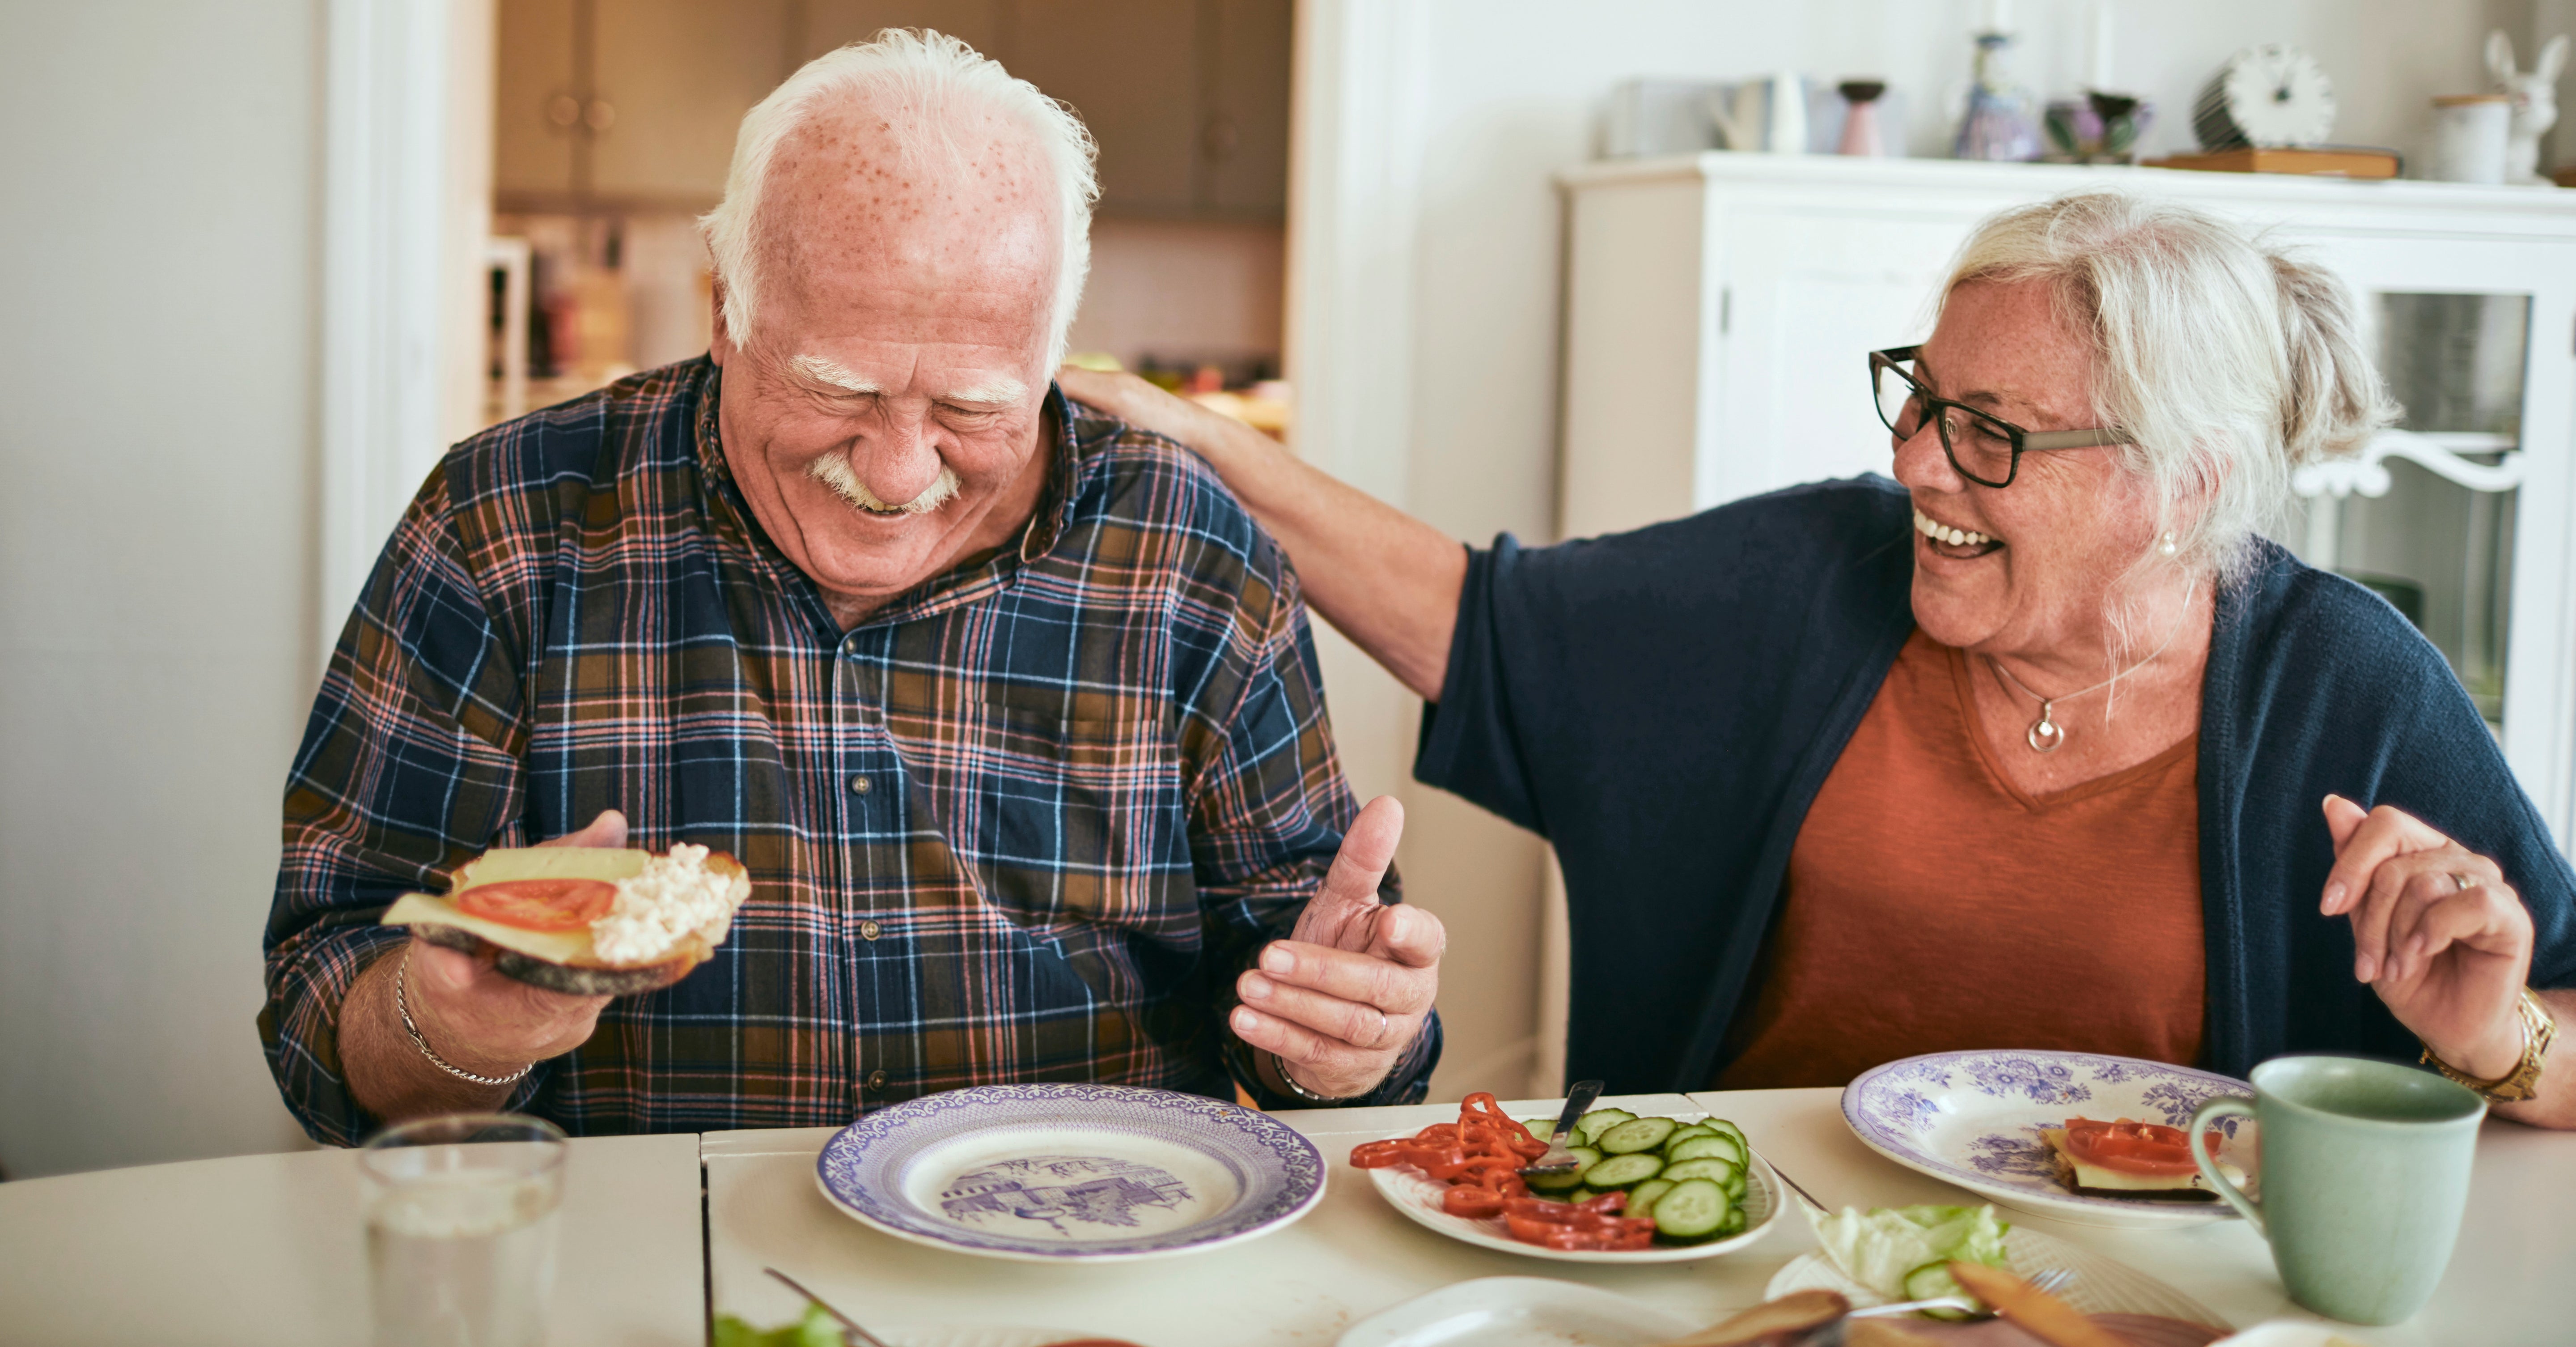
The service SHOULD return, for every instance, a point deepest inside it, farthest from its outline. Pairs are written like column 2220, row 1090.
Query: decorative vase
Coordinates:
column 1999, row 124
column 1860, row 122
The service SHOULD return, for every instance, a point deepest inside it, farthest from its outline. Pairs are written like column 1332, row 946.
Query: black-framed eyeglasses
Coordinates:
column 1984, row 449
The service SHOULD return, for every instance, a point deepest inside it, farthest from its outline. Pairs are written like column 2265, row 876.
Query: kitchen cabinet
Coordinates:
column 679, row 74
column 633, row 104
column 1719, row 308
column 627, row 103
column 536, row 99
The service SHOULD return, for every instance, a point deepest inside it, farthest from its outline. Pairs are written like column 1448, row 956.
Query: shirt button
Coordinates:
column 869, row 930
column 860, row 785
column 876, row 1080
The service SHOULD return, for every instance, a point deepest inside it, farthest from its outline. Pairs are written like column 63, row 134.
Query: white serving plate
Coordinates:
column 1516, row 1312
column 1070, row 1173
column 2290, row 1333
column 2101, row 1285
column 949, row 1335
column 1974, row 1118
column 1417, row 1195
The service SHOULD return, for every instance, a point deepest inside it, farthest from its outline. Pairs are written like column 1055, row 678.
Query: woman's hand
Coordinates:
column 2436, row 931
column 1209, row 434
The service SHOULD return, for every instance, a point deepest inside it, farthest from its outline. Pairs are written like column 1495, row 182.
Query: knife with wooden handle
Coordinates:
column 2040, row 1314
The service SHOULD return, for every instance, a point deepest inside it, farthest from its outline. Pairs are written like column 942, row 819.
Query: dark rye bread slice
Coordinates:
column 559, row 961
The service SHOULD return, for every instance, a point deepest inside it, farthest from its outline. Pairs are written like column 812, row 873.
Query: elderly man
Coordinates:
column 1010, row 711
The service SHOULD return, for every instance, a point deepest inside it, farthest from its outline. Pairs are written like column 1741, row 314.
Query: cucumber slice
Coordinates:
column 1584, row 1158
column 1636, row 1134
column 1729, row 1128
column 1641, row 1199
column 1736, row 1186
column 1581, row 1193
column 1623, row 1171
column 1735, row 1223
column 1542, row 1128
column 1723, row 1147
column 1706, row 1167
column 1931, row 1281
column 1598, row 1121
column 1691, row 1210
column 1686, row 1131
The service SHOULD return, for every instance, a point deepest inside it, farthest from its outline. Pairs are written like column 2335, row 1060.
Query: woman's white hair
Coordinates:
column 2230, row 362
column 931, row 87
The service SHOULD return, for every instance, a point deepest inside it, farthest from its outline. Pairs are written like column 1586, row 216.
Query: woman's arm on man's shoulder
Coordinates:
column 1383, row 578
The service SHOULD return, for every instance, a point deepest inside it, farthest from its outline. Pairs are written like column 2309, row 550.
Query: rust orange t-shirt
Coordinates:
column 1930, row 905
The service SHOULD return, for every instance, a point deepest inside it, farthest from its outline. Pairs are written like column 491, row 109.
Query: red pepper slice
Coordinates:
column 1476, row 1204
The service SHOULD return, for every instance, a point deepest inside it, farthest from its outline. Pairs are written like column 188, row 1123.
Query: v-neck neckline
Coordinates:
column 1963, row 685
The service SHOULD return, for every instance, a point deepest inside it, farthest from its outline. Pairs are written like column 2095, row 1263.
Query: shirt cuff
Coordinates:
column 1408, row 1083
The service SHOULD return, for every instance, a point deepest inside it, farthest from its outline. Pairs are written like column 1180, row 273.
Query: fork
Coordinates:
column 2052, row 1281
column 1559, row 1157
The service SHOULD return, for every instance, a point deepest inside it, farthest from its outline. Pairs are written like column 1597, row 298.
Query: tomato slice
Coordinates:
column 2148, row 1150
column 540, row 904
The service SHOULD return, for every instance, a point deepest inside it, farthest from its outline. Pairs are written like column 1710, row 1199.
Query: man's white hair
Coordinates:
column 931, row 87
column 2228, row 360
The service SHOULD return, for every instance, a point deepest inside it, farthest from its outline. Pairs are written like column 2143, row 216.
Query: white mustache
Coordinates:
column 833, row 471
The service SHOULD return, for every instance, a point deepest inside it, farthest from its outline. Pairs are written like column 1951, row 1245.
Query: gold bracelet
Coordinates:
column 2523, row 1082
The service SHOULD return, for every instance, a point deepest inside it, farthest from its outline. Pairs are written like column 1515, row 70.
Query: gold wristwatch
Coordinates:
column 2523, row 1082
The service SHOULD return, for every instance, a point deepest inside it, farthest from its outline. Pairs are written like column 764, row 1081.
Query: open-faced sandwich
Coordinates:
column 586, row 921
column 2132, row 1159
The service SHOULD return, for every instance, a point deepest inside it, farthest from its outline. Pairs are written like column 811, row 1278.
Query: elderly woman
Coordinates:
column 2042, row 744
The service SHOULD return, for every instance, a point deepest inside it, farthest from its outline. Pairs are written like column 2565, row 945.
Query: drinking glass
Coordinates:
column 461, row 1229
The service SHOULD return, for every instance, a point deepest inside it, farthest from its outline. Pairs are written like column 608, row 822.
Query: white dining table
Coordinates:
column 270, row 1251
column 2512, row 1281
column 661, row 1232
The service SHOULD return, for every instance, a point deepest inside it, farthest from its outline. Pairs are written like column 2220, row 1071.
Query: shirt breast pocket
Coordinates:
column 1083, row 820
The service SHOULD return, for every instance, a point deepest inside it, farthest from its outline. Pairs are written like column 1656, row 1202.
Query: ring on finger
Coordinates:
column 1380, row 1040
column 2461, row 883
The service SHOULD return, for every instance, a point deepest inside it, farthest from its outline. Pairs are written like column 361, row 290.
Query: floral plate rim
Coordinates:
column 1882, row 1101
column 860, row 1169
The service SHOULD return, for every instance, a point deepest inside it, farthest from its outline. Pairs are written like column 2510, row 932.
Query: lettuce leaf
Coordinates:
column 816, row 1329
column 1877, row 1248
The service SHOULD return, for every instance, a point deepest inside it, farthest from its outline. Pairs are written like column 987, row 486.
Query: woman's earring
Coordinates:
column 2167, row 544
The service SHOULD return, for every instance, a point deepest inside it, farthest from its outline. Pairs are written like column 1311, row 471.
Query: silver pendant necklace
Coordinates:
column 2045, row 735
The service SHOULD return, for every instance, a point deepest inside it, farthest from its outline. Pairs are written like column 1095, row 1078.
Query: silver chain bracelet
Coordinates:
column 401, row 973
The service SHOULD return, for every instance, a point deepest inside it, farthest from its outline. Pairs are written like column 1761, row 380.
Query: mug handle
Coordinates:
column 2199, row 1139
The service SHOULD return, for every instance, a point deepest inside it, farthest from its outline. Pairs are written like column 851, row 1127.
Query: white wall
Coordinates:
column 157, row 435
column 1436, row 387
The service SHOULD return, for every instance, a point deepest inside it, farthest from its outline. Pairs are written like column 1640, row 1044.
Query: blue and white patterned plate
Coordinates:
column 1048, row 1173
column 1974, row 1118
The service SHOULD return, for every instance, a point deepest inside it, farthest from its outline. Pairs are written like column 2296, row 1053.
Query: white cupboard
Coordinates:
column 1719, row 308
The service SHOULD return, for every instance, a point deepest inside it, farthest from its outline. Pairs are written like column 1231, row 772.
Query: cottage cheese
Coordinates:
column 675, row 896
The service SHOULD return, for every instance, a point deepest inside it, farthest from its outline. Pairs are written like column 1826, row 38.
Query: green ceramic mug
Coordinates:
column 2365, row 1171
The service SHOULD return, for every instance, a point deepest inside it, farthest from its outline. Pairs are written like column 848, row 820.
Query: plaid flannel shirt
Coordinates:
column 1026, row 822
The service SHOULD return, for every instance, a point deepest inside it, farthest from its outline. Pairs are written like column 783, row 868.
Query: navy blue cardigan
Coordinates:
column 1663, row 706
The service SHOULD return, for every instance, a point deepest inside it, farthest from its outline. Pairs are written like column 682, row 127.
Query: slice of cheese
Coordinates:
column 563, row 947
column 514, row 863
